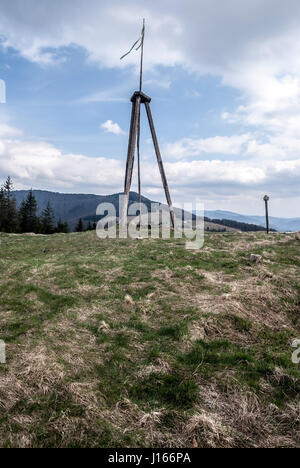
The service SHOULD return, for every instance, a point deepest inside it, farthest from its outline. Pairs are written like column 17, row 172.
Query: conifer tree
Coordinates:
column 79, row 227
column 59, row 226
column 8, row 208
column 29, row 221
column 62, row 227
column 47, row 220
column 66, row 228
column 2, row 209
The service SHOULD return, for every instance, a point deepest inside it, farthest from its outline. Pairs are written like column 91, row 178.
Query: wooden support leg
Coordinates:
column 130, row 155
column 139, row 164
column 160, row 163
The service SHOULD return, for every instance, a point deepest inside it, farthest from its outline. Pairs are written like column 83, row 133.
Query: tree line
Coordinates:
column 25, row 218
column 245, row 227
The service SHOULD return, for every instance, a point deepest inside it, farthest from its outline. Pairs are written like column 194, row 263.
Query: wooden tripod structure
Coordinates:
column 137, row 99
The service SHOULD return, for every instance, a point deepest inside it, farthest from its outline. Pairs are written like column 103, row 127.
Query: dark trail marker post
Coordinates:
column 137, row 99
column 266, row 199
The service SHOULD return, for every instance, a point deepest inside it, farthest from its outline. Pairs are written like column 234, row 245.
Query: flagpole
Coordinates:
column 142, row 58
column 139, row 128
column 140, row 41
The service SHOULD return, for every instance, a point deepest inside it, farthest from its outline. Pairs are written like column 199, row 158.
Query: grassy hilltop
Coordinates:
column 199, row 355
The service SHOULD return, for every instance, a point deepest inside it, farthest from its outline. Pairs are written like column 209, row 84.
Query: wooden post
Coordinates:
column 136, row 104
column 266, row 199
column 160, row 163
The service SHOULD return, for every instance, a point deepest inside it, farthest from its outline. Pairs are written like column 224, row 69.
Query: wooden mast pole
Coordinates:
column 139, row 127
column 142, row 56
column 136, row 104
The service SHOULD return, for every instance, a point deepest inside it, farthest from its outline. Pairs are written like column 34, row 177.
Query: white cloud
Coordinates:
column 274, row 104
column 215, row 145
column 109, row 95
column 233, row 175
column 158, row 83
column 258, row 57
column 257, row 146
column 229, row 39
column 111, row 127
column 43, row 166
column 6, row 131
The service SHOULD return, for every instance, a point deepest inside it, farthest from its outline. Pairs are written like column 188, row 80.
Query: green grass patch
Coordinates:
column 170, row 390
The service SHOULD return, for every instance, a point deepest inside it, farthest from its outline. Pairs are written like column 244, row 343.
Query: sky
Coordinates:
column 224, row 78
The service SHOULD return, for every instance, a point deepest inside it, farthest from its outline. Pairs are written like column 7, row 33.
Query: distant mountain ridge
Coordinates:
column 72, row 206
column 280, row 224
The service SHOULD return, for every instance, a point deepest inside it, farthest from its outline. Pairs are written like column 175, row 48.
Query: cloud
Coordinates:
column 273, row 105
column 111, row 127
column 255, row 145
column 42, row 41
column 177, row 32
column 109, row 95
column 186, row 147
column 41, row 165
column 44, row 166
column 259, row 58
column 230, row 176
column 6, row 131
column 158, row 83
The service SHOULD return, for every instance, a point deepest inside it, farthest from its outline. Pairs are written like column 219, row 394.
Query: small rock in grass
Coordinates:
column 226, row 296
column 297, row 236
column 255, row 258
column 128, row 300
column 103, row 326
